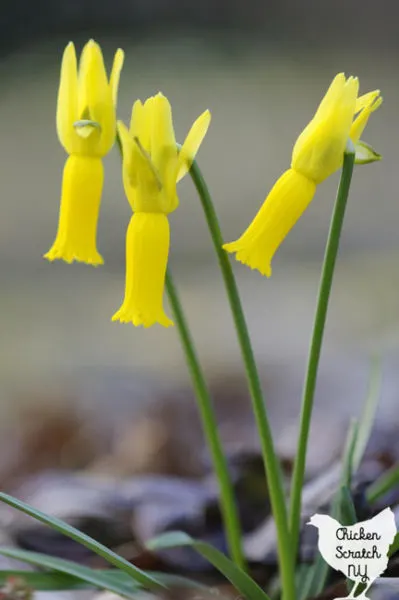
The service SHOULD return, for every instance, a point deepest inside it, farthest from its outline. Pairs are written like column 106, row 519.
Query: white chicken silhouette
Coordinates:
column 358, row 551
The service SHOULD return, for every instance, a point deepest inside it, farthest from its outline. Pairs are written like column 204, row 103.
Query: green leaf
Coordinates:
column 44, row 582
column 347, row 458
column 171, row 580
column 367, row 417
column 98, row 579
column 240, row 580
column 385, row 483
column 57, row 580
column 346, row 509
column 365, row 154
column 85, row 540
column 394, row 547
column 313, row 581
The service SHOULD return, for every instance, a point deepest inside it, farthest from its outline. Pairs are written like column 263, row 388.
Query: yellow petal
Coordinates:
column 141, row 123
column 359, row 124
column 85, row 66
column 163, row 141
column 95, row 97
column 141, row 183
column 115, row 74
column 319, row 150
column 284, row 205
column 136, row 121
column 67, row 105
column 139, row 130
column 80, row 205
column 128, row 173
column 192, row 143
column 331, row 97
column 164, row 151
column 147, row 248
column 366, row 99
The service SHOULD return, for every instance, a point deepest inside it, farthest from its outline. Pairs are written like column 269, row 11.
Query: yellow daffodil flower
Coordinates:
column 152, row 166
column 317, row 154
column 86, row 127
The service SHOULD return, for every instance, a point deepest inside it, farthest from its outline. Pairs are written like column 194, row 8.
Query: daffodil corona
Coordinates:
column 152, row 166
column 86, row 127
column 317, row 154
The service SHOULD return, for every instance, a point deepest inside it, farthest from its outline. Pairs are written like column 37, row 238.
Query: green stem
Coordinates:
column 272, row 467
column 209, row 423
column 228, row 505
column 316, row 343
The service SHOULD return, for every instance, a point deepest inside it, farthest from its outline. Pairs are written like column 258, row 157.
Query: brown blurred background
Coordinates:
column 261, row 68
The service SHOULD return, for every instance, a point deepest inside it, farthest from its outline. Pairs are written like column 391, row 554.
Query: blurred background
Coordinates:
column 261, row 67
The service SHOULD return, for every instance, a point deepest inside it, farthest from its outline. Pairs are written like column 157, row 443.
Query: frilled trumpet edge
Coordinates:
column 147, row 249
column 286, row 202
column 79, row 211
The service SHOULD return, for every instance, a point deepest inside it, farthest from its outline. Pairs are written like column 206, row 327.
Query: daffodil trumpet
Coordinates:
column 152, row 166
column 147, row 249
column 287, row 200
column 86, row 127
column 82, row 185
column 317, row 154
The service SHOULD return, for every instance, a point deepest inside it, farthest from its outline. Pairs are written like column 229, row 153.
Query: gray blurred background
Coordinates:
column 261, row 67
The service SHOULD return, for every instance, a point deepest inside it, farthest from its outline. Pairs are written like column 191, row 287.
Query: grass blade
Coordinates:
column 367, row 417
column 85, row 540
column 57, row 581
column 394, row 547
column 314, row 580
column 240, row 580
column 97, row 579
column 346, row 509
column 347, row 458
column 44, row 582
column 383, row 485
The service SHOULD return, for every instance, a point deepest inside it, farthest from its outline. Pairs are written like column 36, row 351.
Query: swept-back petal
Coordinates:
column 129, row 174
column 318, row 151
column 126, row 142
column 365, row 100
column 84, row 67
column 331, row 97
column 192, row 143
column 95, row 96
column 359, row 124
column 116, row 73
column 163, row 141
column 67, row 105
column 140, row 131
column 136, row 120
column 146, row 124
column 346, row 108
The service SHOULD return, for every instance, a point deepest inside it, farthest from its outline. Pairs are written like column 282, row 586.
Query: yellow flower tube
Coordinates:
column 287, row 200
column 86, row 127
column 317, row 154
column 80, row 204
column 151, row 168
column 147, row 249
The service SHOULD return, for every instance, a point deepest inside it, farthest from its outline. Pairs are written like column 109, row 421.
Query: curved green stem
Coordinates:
column 209, row 423
column 272, row 467
column 316, row 343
